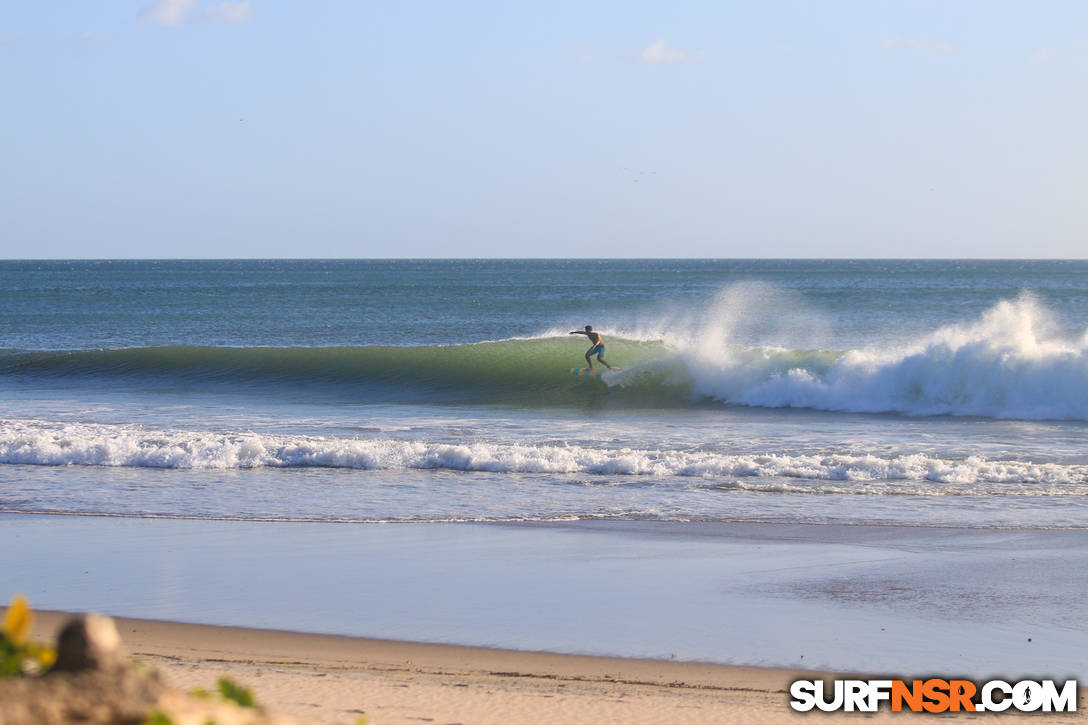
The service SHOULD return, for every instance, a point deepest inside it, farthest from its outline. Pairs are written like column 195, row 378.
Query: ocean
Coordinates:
column 951, row 393
column 848, row 464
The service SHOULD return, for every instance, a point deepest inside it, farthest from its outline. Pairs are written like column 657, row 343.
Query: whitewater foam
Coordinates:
column 79, row 444
column 1011, row 363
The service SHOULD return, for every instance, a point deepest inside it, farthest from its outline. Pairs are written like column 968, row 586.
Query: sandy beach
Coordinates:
column 336, row 679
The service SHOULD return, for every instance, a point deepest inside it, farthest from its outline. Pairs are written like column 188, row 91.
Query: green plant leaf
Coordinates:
column 234, row 692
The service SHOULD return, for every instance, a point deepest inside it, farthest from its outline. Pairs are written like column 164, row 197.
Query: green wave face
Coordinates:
column 953, row 373
column 534, row 371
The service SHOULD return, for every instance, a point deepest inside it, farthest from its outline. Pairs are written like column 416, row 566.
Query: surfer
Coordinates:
column 597, row 341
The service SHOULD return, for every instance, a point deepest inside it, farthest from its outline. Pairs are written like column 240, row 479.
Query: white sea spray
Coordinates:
column 1011, row 363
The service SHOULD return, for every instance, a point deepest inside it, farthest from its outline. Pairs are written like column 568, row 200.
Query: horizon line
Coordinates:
column 542, row 259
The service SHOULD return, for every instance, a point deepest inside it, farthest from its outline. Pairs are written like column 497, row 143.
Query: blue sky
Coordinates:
column 263, row 128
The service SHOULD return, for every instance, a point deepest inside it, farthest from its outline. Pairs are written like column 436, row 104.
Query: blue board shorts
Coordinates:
column 596, row 350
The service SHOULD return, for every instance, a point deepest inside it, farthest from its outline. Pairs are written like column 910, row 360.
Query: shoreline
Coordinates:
column 337, row 678
column 833, row 598
column 345, row 680
column 161, row 638
column 587, row 522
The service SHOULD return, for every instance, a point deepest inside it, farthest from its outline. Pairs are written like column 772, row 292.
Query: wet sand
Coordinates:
column 897, row 600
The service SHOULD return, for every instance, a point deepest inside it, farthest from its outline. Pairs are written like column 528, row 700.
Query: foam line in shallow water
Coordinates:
column 66, row 444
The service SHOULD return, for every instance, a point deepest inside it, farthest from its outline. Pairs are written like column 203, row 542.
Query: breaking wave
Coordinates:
column 1010, row 363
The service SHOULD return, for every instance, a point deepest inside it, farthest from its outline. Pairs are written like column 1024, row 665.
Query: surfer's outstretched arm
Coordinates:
column 578, row 332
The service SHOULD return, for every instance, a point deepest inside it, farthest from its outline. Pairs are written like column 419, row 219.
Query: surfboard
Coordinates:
column 587, row 371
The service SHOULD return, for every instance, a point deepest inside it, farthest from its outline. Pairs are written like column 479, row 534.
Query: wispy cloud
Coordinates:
column 230, row 12
column 177, row 12
column 1041, row 55
column 657, row 53
column 919, row 45
column 167, row 12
